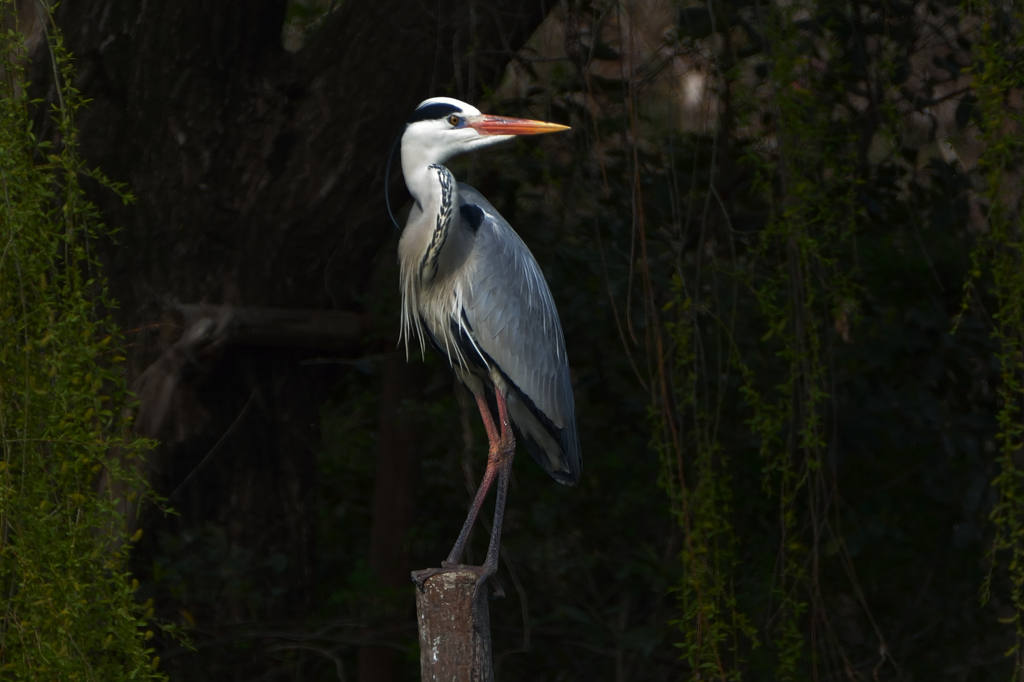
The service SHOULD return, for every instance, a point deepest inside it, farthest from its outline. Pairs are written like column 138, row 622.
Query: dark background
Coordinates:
column 311, row 471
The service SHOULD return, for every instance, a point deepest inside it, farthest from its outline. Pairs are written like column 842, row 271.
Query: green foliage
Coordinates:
column 997, row 80
column 69, row 460
column 763, row 339
column 798, row 279
column 711, row 619
column 792, row 273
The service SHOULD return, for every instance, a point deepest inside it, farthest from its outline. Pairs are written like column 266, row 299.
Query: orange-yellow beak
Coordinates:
column 500, row 125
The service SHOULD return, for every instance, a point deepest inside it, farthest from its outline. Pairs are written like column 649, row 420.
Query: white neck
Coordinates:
column 431, row 235
column 433, row 244
column 419, row 177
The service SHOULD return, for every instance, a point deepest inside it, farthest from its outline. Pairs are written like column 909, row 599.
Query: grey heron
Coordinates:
column 472, row 289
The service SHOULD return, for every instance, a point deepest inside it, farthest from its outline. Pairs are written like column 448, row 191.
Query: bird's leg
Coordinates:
column 506, row 453
column 493, row 461
column 485, row 414
column 499, row 465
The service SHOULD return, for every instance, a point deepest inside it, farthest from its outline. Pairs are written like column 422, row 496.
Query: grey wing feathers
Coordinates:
column 512, row 317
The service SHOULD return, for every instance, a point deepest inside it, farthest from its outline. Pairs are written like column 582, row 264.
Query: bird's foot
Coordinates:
column 422, row 576
column 487, row 573
column 483, row 574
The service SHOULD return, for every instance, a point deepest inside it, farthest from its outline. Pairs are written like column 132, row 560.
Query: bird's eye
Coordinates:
column 454, row 120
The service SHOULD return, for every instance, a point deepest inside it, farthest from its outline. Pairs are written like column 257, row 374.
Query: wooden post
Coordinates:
column 455, row 630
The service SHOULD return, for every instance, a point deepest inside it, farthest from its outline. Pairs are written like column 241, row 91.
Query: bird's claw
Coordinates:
column 498, row 592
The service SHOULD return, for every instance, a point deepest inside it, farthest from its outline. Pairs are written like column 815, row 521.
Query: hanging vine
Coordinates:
column 68, row 603
column 799, row 275
column 799, row 283
column 999, row 87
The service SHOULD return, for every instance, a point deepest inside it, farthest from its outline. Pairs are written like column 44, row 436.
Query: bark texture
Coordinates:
column 455, row 631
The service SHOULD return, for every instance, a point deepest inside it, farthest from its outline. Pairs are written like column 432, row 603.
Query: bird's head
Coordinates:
column 442, row 127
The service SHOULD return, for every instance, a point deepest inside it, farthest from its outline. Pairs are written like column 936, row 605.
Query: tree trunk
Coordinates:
column 394, row 504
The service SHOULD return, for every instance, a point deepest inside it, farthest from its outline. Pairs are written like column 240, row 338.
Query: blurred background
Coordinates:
column 784, row 242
